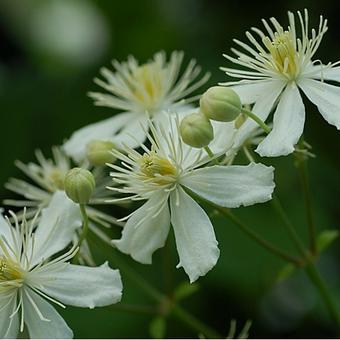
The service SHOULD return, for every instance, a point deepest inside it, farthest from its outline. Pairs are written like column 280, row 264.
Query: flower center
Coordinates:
column 283, row 52
column 55, row 178
column 148, row 85
column 10, row 271
column 159, row 170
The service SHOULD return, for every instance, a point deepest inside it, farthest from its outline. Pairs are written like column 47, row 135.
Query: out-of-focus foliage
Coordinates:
column 51, row 50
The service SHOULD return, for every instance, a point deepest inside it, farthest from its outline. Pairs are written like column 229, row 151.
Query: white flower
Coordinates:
column 162, row 175
column 31, row 274
column 141, row 91
column 276, row 71
column 48, row 177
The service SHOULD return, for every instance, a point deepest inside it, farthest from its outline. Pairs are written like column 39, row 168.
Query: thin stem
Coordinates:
column 85, row 229
column 289, row 227
column 160, row 298
column 255, row 118
column 211, row 154
column 303, row 175
column 136, row 309
column 318, row 282
column 257, row 238
column 83, row 233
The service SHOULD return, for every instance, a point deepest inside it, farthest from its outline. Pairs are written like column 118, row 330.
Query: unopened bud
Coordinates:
column 220, row 103
column 98, row 152
column 79, row 185
column 196, row 130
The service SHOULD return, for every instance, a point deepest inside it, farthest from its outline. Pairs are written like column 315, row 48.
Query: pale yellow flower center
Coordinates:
column 283, row 53
column 55, row 179
column 148, row 85
column 159, row 170
column 10, row 271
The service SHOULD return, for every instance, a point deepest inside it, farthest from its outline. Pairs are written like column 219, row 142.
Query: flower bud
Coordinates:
column 196, row 130
column 98, row 152
column 220, row 103
column 79, row 185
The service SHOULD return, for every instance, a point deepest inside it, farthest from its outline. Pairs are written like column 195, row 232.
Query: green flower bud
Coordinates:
column 196, row 130
column 220, row 103
column 79, row 185
column 98, row 152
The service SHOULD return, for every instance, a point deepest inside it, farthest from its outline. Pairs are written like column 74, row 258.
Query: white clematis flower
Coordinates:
column 29, row 278
column 276, row 71
column 161, row 176
column 141, row 91
column 47, row 177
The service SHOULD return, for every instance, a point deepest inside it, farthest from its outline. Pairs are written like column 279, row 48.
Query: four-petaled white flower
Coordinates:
column 162, row 175
column 277, row 69
column 142, row 92
column 31, row 273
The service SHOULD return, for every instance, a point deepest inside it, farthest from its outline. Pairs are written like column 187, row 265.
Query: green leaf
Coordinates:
column 325, row 239
column 158, row 328
column 185, row 289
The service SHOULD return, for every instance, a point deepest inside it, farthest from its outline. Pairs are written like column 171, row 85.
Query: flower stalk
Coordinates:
column 256, row 119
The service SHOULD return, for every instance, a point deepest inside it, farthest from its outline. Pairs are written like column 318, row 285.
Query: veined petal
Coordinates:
column 106, row 129
column 82, row 286
column 262, row 108
column 9, row 327
column 325, row 97
column 42, row 320
column 56, row 227
column 250, row 92
column 224, row 135
column 147, row 229
column 288, row 122
column 232, row 186
column 194, row 233
column 133, row 133
column 323, row 72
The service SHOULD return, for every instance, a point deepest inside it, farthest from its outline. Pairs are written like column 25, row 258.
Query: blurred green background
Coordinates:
column 52, row 49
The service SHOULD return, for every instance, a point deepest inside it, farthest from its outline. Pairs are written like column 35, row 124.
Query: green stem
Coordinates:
column 257, row 238
column 289, row 227
column 303, row 174
column 195, row 324
column 318, row 282
column 211, row 154
column 85, row 229
column 255, row 118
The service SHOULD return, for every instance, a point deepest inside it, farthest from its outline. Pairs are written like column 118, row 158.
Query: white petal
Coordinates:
column 195, row 236
column 322, row 72
column 251, row 92
column 224, row 135
column 146, row 230
column 9, row 327
column 133, row 133
column 262, row 108
column 55, row 328
column 5, row 231
column 75, row 147
column 232, row 186
column 325, row 97
column 288, row 122
column 82, row 286
column 56, row 227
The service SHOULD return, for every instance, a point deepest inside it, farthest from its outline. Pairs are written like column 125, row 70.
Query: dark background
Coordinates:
column 52, row 49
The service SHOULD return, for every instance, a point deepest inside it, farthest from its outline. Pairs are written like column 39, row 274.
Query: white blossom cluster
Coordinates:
column 139, row 154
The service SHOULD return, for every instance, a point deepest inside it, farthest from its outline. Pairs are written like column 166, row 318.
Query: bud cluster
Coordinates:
column 219, row 104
